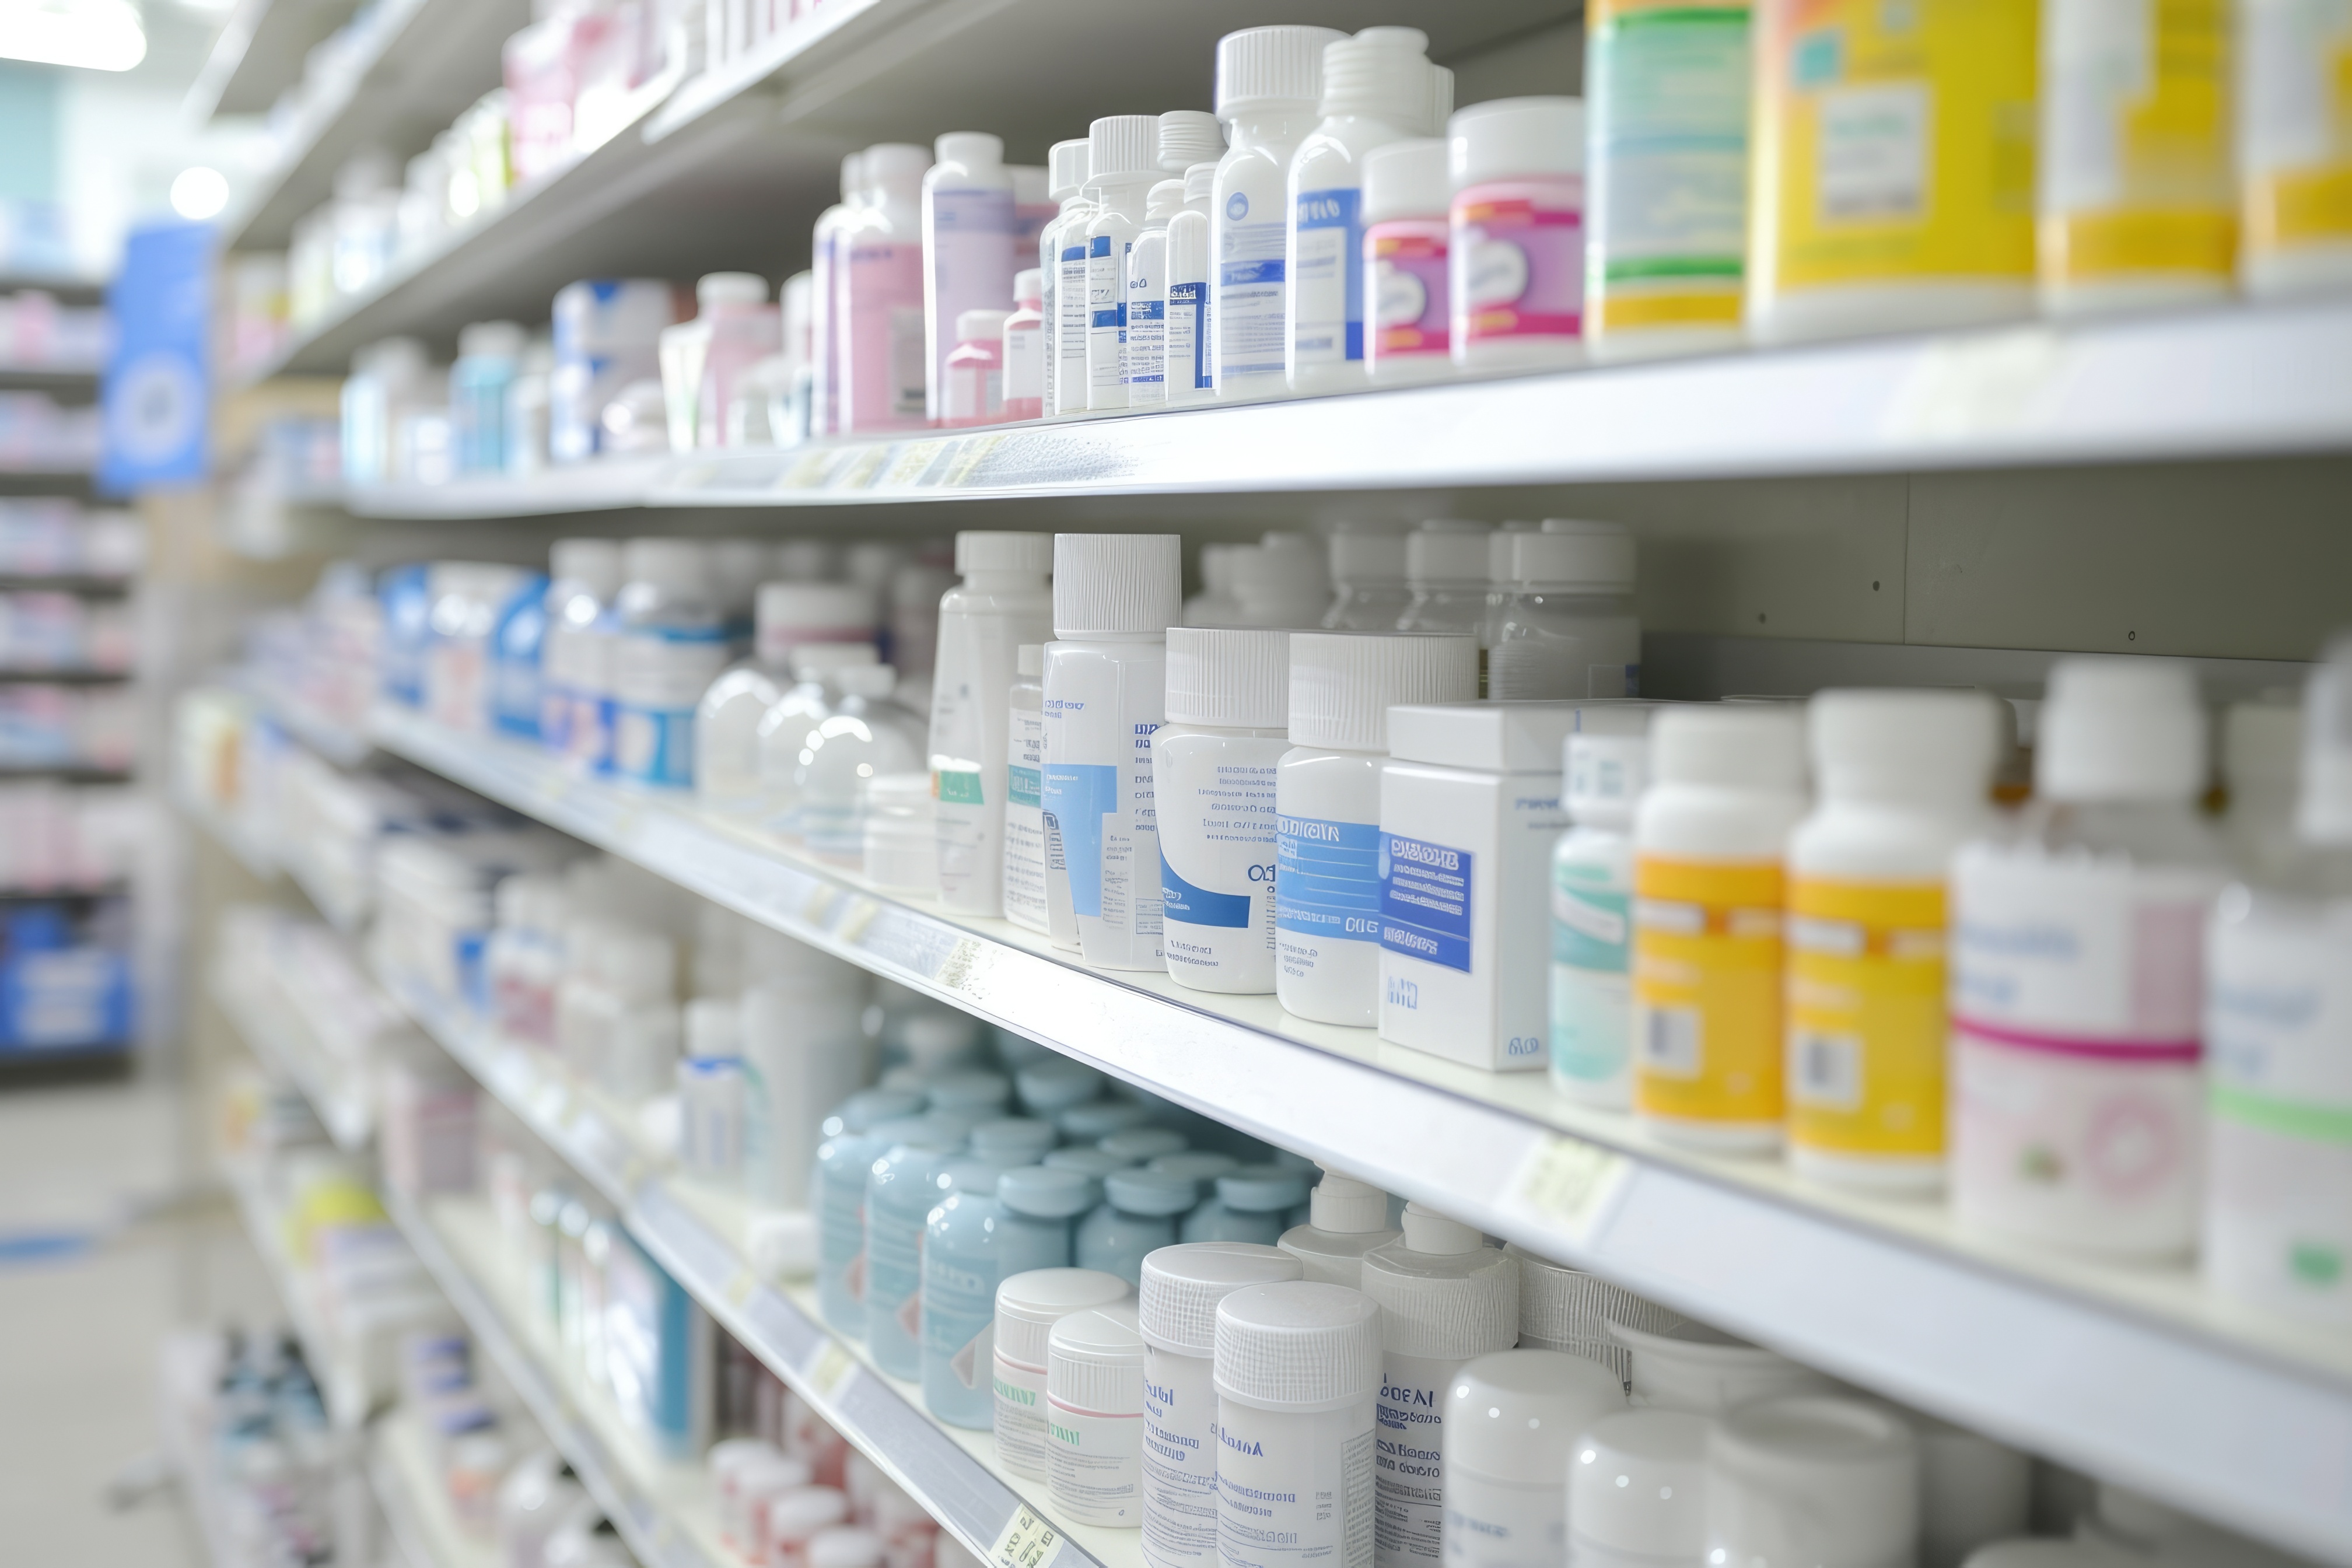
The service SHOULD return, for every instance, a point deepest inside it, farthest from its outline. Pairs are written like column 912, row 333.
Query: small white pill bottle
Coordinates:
column 1637, row 1492
column 1094, row 1417
column 1812, row 1479
column 1027, row 1307
column 1177, row 1310
column 1511, row 1420
column 1298, row 1370
column 1213, row 778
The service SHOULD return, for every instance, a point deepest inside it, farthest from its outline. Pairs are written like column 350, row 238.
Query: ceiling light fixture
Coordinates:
column 90, row 35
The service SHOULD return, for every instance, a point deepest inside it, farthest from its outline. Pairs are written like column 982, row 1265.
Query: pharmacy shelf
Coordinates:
column 606, row 484
column 342, row 1382
column 62, row 582
column 258, row 54
column 2138, row 1375
column 331, row 740
column 338, row 1094
column 62, row 675
column 16, row 375
column 700, row 1237
column 243, row 845
column 415, row 1505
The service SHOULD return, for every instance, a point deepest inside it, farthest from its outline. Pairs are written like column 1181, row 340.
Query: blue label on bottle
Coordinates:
column 1190, row 301
column 1182, row 901
column 1114, row 312
column 1328, row 879
column 1425, row 901
column 1330, row 246
column 1076, row 797
column 654, row 745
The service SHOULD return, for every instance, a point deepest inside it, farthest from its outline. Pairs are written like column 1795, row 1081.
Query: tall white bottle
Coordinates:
column 828, row 258
column 1115, row 597
column 1002, row 603
column 1125, row 161
column 1062, row 266
column 1269, row 80
column 1192, row 268
column 968, row 257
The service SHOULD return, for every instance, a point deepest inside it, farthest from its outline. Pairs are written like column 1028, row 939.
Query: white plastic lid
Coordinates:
column 795, row 1515
column 1200, row 185
column 2325, row 813
column 1269, row 70
column 1342, row 684
column 1497, row 737
column 1570, row 553
column 1065, row 168
column 980, row 326
column 491, row 339
column 1406, row 179
column 1515, row 1415
column 1446, row 553
column 1605, row 763
column 1755, row 746
column 1564, row 1308
column 1842, row 1475
column 1381, row 73
column 973, row 149
column 1367, row 556
column 675, row 565
column 714, row 1026
column 594, row 563
column 1094, row 1361
column 1123, row 147
column 2120, row 728
column 1233, row 678
column 845, row 1547
column 1029, row 1305
column 1029, row 286
column 1177, row 1303
column 896, row 166
column 731, row 288
column 1443, row 1292
column 1511, row 138
column 853, row 176
column 1163, row 201
column 1346, row 1206
column 1637, row 1484
column 979, row 550
column 1298, row 1346
column 1190, row 136
column 1029, row 659
column 1117, row 585
column 1904, row 747
column 794, row 611
column 1691, row 1366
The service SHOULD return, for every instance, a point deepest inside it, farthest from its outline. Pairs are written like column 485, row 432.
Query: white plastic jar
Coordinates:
column 1567, row 628
column 1002, row 603
column 1606, row 769
column 1569, row 1311
column 1517, row 220
column 1124, row 165
column 1269, row 80
column 1813, row 1478
column 1637, row 1492
column 1094, row 1416
column 1327, row 804
column 968, row 257
column 1408, row 297
column 1512, row 1419
column 1213, row 767
column 1297, row 1366
column 670, row 647
column 1027, row 1307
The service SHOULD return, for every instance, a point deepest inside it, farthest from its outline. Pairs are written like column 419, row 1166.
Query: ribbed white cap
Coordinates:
column 969, row 147
column 1065, row 168
column 1029, row 286
column 1297, row 1346
column 1406, row 179
column 1499, row 737
column 980, row 326
column 1094, row 1361
column 1234, row 678
column 1567, row 1309
column 1446, row 553
column 1029, row 1305
column 1367, row 555
column 2324, row 814
column 1346, row 1206
column 978, row 550
column 1190, row 136
column 1177, row 1304
column 853, row 176
column 491, row 339
column 1904, row 747
column 1123, row 147
column 731, row 288
column 1342, row 684
column 1116, row 584
column 1382, row 73
column 1265, row 71
column 790, row 612
column 1443, row 1293
column 1637, row 1485
column 594, row 563
column 1029, row 659
column 1758, row 747
column 714, row 1026
column 1568, row 553
column 1515, row 1415
column 1200, row 184
column 1163, row 201
column 1512, row 138
column 2120, row 728
column 676, row 565
column 897, row 166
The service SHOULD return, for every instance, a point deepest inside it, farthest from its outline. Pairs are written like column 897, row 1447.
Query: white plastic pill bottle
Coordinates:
column 1512, row 1419
column 1125, row 163
column 1191, row 273
column 1637, row 1492
column 1002, row 603
column 1213, row 777
column 1569, row 1311
column 1565, row 626
column 1269, row 80
column 1812, row 1479
column 1061, row 268
column 1297, row 1368
column 1094, row 1416
column 1027, row 1307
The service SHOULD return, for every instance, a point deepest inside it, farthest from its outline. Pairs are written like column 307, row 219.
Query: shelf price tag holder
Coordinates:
column 1026, row 1542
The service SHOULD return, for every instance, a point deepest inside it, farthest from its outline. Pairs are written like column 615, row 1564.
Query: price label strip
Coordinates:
column 1028, row 1541
column 1570, row 1185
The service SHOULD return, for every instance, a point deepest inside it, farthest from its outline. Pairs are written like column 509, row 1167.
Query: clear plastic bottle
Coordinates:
column 882, row 359
column 1606, row 769
column 864, row 736
column 1124, row 164
column 1002, row 603
column 1147, row 298
column 727, row 723
column 1062, row 264
column 1346, row 1219
column 1368, row 589
column 1569, row 629
column 1446, row 570
column 1027, row 881
column 671, row 645
column 785, row 728
column 968, row 258
column 1269, row 80
column 584, row 576
column 1191, row 274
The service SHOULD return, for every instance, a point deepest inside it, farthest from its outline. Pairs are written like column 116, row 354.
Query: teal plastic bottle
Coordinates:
column 1137, row 1214
column 1252, row 1204
column 899, row 1193
column 963, row 1239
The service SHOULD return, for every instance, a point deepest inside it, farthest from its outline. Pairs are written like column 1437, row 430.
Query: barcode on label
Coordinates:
column 1670, row 1041
column 1826, row 1070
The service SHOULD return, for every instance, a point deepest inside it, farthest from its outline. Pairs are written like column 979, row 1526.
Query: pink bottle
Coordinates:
column 884, row 368
column 968, row 255
column 1518, row 165
column 1024, row 348
column 1407, row 300
column 975, row 372
column 744, row 330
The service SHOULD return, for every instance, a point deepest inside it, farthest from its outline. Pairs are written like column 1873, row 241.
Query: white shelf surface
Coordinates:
column 414, row 1504
column 336, row 1093
column 2135, row 1374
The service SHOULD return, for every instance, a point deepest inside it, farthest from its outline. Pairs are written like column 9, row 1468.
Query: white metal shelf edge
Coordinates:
column 348, row 1118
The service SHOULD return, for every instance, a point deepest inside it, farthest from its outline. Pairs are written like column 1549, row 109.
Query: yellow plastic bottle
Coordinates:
column 1891, row 166
column 2294, row 154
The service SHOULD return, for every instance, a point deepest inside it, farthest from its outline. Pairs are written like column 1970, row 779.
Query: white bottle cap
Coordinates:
column 1498, row 551
column 1233, row 678
column 1443, row 1292
column 1441, row 99
column 1495, row 737
column 1271, row 70
column 1190, row 136
column 1515, row 1415
column 1124, row 148
column 1904, row 747
column 790, row 613
column 1512, row 138
column 1758, row 747
column 1605, row 765
column 594, row 563
column 2120, row 728
column 845, row 1547
column 2325, row 813
column 1446, row 553
column 491, row 340
column 1065, row 168
column 1297, row 1346
column 674, row 565
column 714, row 1026
column 1029, row 659
column 1816, row 1478
column 970, row 148
column 1028, row 184
column 980, row 550
column 1596, row 557
column 731, row 288
column 638, row 966
column 1346, row 1206
column 897, row 166
column 1029, row 1305
column 1367, row 555
column 1029, row 286
column 1637, row 1485
column 1200, row 185
column 1342, row 684
column 1567, row 1309
column 1094, row 1361
column 1163, row 201
column 1177, row 1303
column 980, row 326
column 1381, row 73
column 853, row 176
column 1691, row 1366
column 1406, row 179
column 1117, row 585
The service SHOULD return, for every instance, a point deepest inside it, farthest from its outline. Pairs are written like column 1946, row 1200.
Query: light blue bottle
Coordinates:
column 1040, row 1203
column 861, row 1112
column 961, row 1240
column 970, row 1088
column 899, row 1193
column 856, row 1135
column 515, row 646
column 1013, row 1141
column 1086, row 1161
column 1251, row 1204
column 1197, row 1166
column 1098, row 1120
column 1053, row 1087
column 1137, row 1215
column 1141, row 1145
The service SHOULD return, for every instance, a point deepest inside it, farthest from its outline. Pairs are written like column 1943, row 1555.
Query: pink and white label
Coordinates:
column 973, row 262
column 1405, row 286
column 882, row 317
column 1519, row 259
